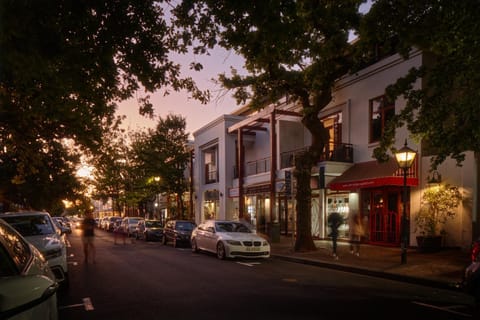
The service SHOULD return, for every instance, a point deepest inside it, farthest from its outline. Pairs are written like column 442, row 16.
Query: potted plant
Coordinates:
column 439, row 204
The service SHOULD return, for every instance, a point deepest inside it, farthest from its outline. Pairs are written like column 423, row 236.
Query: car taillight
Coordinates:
column 476, row 251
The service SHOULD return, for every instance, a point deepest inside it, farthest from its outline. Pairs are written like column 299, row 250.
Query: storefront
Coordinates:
column 378, row 188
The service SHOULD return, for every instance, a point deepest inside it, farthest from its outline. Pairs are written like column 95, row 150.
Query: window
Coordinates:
column 381, row 111
column 210, row 162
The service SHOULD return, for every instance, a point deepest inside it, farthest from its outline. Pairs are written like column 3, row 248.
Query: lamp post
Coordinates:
column 405, row 157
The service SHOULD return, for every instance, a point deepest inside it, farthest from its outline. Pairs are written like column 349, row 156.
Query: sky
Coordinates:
column 196, row 114
column 179, row 103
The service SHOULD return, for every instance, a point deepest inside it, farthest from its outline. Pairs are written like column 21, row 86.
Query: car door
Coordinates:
column 210, row 237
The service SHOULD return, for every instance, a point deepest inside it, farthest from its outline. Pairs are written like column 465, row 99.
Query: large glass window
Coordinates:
column 210, row 162
column 381, row 111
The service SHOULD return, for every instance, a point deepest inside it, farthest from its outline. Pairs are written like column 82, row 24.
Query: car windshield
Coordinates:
column 31, row 225
column 187, row 226
column 153, row 224
column 231, row 227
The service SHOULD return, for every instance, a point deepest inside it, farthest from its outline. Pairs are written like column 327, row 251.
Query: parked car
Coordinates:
column 28, row 288
column 129, row 225
column 40, row 230
column 149, row 230
column 229, row 239
column 472, row 274
column 178, row 232
column 62, row 225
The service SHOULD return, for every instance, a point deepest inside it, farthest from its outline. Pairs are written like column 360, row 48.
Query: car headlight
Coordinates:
column 265, row 243
column 53, row 253
column 234, row 242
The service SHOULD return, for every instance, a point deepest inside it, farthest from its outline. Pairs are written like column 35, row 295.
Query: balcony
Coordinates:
column 341, row 152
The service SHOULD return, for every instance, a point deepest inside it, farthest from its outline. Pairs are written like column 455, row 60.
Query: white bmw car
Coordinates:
column 229, row 239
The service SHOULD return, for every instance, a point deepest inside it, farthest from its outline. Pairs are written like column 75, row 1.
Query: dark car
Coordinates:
column 472, row 274
column 178, row 232
column 149, row 230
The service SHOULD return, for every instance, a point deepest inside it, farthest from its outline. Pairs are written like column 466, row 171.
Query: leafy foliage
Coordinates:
column 445, row 111
column 63, row 67
column 438, row 206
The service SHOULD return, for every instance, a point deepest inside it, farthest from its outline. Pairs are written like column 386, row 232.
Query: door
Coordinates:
column 384, row 217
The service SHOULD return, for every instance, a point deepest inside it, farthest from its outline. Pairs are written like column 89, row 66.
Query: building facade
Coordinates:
column 244, row 162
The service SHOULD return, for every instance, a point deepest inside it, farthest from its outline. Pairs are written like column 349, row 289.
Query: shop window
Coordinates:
column 381, row 111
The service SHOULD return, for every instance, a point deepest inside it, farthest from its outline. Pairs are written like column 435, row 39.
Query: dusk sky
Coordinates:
column 196, row 114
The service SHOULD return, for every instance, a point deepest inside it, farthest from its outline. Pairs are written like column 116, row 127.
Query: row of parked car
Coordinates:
column 226, row 239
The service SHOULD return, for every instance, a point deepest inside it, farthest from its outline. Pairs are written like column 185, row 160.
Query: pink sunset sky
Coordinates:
column 196, row 114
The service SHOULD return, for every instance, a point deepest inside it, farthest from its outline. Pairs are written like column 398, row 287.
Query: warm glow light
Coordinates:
column 405, row 157
column 85, row 172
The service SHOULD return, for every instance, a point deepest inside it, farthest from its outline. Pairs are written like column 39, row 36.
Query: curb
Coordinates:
column 371, row 272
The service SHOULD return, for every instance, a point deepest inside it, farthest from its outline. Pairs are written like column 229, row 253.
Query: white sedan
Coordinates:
column 229, row 239
column 28, row 288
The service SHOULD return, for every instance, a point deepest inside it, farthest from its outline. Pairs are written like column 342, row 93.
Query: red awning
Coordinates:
column 373, row 174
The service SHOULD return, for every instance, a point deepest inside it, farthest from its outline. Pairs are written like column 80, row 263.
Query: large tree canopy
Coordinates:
column 63, row 67
column 445, row 112
column 291, row 48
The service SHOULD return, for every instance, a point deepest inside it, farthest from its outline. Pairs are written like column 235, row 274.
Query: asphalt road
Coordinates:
column 147, row 280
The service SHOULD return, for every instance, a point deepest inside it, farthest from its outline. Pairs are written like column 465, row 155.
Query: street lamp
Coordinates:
column 405, row 157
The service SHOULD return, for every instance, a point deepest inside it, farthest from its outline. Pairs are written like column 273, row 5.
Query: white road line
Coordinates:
column 446, row 309
column 87, row 304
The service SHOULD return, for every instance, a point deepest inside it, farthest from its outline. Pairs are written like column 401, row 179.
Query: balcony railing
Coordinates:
column 341, row 152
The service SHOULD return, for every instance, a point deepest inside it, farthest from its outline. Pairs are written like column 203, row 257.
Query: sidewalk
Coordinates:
column 442, row 269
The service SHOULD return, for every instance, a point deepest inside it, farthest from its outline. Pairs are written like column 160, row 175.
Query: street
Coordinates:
column 146, row 280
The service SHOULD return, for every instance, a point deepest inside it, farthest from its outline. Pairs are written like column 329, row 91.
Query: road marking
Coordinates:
column 446, row 309
column 87, row 304
column 248, row 264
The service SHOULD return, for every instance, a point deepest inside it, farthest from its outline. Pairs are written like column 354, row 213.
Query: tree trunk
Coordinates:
column 303, row 197
column 303, row 170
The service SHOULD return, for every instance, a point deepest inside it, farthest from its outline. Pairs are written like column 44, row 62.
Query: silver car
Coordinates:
column 28, row 288
column 40, row 230
column 229, row 239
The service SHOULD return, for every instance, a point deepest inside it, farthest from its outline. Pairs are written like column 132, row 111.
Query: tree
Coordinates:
column 63, row 67
column 110, row 165
column 291, row 48
column 444, row 112
column 162, row 152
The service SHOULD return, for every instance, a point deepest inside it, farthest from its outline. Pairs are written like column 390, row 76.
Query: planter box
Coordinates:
column 429, row 244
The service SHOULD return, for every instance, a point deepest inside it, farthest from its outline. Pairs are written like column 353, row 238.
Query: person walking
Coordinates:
column 356, row 232
column 88, row 235
column 335, row 220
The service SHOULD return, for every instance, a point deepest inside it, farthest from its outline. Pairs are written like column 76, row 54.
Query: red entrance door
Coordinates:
column 384, row 217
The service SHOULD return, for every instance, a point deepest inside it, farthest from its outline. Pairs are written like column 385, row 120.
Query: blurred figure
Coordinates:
column 335, row 220
column 356, row 233
column 88, row 235
column 118, row 232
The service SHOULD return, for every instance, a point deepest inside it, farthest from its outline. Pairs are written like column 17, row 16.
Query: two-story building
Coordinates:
column 244, row 162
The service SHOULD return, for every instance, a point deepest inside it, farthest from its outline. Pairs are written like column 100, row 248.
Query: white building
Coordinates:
column 346, row 179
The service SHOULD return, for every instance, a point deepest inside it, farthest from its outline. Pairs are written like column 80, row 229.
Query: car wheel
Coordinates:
column 194, row 246
column 220, row 251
